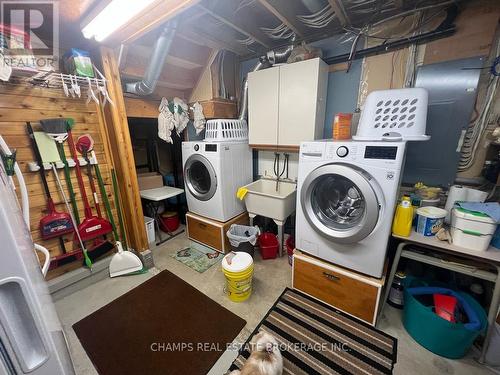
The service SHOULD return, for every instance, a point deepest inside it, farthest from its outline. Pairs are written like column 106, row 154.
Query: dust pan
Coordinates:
column 124, row 262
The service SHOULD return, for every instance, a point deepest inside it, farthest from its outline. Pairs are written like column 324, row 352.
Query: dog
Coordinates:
column 265, row 358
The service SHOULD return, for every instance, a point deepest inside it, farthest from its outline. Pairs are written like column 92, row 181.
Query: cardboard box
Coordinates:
column 149, row 180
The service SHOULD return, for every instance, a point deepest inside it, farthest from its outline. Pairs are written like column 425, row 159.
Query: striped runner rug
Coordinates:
column 315, row 338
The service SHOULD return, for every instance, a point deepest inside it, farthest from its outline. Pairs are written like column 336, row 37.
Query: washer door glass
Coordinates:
column 339, row 203
column 200, row 177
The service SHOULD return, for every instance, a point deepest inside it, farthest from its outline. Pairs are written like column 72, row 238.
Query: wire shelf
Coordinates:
column 72, row 85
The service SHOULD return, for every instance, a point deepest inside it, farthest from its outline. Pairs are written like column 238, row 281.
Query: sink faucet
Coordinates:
column 277, row 168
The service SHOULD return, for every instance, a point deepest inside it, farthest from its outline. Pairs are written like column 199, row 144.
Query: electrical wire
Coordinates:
column 282, row 31
column 477, row 128
column 247, row 41
column 319, row 19
column 244, row 4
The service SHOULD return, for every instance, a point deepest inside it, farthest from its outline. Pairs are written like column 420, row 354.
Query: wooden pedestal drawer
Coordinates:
column 351, row 292
column 212, row 233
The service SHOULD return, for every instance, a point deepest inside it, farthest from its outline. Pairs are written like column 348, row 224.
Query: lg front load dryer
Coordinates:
column 213, row 172
column 346, row 196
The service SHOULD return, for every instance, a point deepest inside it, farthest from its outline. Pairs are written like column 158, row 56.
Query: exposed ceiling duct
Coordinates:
column 266, row 61
column 158, row 57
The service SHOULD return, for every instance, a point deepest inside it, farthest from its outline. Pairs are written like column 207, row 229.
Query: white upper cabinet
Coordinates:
column 286, row 104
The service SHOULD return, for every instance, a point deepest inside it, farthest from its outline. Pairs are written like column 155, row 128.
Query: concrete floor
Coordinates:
column 271, row 277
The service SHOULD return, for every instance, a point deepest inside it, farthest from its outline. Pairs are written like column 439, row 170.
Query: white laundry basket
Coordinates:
column 219, row 130
column 399, row 114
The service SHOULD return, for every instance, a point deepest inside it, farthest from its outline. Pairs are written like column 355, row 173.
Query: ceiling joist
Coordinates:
column 194, row 35
column 279, row 14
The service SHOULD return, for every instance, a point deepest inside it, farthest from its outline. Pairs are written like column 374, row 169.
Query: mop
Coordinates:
column 52, row 163
column 123, row 262
column 91, row 227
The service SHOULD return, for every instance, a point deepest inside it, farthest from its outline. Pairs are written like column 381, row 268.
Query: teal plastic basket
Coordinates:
column 447, row 339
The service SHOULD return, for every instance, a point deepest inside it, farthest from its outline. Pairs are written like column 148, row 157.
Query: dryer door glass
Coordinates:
column 339, row 203
column 200, row 176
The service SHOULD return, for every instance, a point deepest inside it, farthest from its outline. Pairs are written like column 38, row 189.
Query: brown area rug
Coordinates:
column 316, row 339
column 163, row 326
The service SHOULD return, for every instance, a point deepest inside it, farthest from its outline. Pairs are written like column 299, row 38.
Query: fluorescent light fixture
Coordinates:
column 112, row 17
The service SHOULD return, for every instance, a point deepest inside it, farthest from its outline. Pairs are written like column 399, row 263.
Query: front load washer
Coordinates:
column 346, row 196
column 213, row 172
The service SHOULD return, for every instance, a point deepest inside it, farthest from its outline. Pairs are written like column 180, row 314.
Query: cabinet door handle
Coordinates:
column 331, row 277
column 202, row 225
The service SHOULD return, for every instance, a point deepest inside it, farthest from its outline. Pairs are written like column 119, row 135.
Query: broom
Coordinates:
column 91, row 227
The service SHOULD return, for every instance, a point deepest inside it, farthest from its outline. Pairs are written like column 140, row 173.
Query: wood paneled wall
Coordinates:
column 20, row 103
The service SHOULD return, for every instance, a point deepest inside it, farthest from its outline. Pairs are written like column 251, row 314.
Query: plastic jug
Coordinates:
column 403, row 218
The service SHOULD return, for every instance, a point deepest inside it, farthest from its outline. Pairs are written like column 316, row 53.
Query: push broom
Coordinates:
column 44, row 181
column 91, row 227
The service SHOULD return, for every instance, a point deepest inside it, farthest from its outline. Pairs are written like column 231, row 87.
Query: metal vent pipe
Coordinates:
column 160, row 52
column 266, row 61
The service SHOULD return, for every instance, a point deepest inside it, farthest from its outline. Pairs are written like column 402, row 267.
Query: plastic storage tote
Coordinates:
column 447, row 339
column 243, row 238
column 471, row 229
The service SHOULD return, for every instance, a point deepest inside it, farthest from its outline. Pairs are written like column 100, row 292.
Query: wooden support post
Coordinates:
column 121, row 149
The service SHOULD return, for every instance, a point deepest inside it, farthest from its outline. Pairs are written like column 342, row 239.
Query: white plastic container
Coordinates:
column 224, row 130
column 150, row 228
column 472, row 230
column 430, row 220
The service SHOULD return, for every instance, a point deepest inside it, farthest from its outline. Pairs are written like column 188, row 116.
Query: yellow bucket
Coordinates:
column 238, row 269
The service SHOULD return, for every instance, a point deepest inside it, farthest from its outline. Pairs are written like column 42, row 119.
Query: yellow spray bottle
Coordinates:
column 401, row 225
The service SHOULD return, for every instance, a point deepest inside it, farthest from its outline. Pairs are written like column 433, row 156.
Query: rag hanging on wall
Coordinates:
column 199, row 120
column 166, row 122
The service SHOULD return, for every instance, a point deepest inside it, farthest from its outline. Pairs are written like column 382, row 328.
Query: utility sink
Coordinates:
column 263, row 199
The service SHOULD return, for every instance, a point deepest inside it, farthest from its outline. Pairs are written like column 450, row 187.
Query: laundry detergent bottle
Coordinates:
column 403, row 218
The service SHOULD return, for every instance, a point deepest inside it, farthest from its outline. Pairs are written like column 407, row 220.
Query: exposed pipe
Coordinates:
column 391, row 46
column 160, row 52
column 266, row 61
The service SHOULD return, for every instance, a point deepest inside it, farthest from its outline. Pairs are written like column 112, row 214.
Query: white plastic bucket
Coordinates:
column 430, row 220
